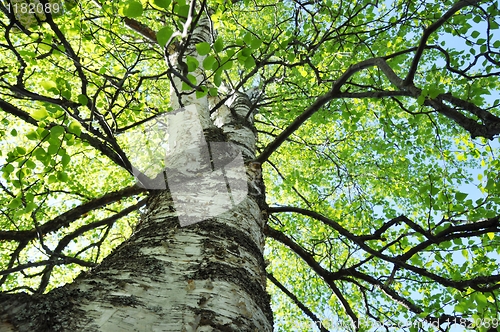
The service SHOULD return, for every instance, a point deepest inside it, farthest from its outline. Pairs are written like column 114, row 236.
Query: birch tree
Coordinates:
column 249, row 165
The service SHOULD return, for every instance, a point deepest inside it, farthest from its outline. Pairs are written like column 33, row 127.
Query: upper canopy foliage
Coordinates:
column 378, row 125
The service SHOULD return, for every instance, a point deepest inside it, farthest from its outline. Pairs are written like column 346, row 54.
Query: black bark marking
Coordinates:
column 239, row 277
column 47, row 312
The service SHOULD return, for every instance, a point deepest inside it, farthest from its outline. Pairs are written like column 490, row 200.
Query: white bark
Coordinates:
column 180, row 98
column 204, row 178
column 206, row 277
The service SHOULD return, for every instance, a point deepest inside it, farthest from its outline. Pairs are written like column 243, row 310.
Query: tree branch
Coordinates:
column 429, row 31
column 63, row 243
column 299, row 120
column 315, row 319
column 67, row 217
column 309, row 259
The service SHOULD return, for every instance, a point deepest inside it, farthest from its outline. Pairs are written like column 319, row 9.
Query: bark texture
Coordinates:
column 209, row 276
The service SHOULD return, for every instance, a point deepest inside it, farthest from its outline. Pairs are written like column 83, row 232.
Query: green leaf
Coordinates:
column 475, row 34
column 249, row 63
column 182, row 10
column 62, row 151
column 70, row 4
column 56, row 131
column 465, row 253
column 213, row 92
column 20, row 151
column 15, row 203
column 163, row 35
column 39, row 113
column 83, row 100
column 8, row 168
column 65, row 160
column 132, row 8
column 218, row 45
column 52, row 179
column 227, row 64
column 460, row 196
column 30, row 164
column 490, row 184
column 201, row 93
column 53, row 148
column 62, row 176
column 30, row 207
column 48, row 85
column 40, row 154
column 246, row 52
column 248, row 38
column 192, row 63
column 255, row 44
column 241, row 58
column 480, row 299
column 208, row 62
column 461, row 307
column 75, row 128
column 29, row 197
column 191, row 79
column 52, row 109
column 203, row 48
column 421, row 100
column 62, row 84
column 32, row 135
column 217, row 78
column 162, row 3
column 283, row 45
column 433, row 92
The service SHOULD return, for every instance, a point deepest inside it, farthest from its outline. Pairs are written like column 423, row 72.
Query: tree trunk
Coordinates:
column 206, row 276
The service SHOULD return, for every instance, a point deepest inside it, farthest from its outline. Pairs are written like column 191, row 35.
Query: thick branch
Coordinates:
column 67, row 217
column 317, row 216
column 18, row 113
column 140, row 28
column 322, row 100
column 299, row 120
column 104, row 148
column 489, row 129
